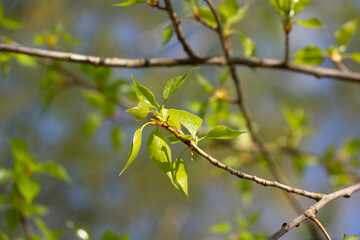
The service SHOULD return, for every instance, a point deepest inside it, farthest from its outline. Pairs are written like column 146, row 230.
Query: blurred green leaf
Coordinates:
column 345, row 32
column 311, row 22
column 228, row 9
column 47, row 233
column 221, row 228
column 108, row 235
column 28, row 187
column 300, row 5
column 5, row 175
column 3, row 235
column 159, row 151
column 144, row 94
column 295, row 118
column 207, row 15
column 222, row 132
column 10, row 23
column 12, row 218
column 92, row 123
column 4, row 202
column 180, row 177
column 356, row 57
column 347, row 237
column 55, row 170
column 101, row 75
column 167, row 34
column 26, row 61
column 5, row 57
column 190, row 121
column 248, row 46
column 204, row 83
column 238, row 16
column 19, row 150
column 140, row 111
column 174, row 84
column 129, row 3
column 134, row 150
column 116, row 137
column 311, row 55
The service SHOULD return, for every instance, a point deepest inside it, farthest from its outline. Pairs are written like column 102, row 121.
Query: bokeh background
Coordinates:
column 142, row 203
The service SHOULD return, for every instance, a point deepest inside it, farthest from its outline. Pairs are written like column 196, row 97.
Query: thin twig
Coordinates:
column 25, row 226
column 311, row 211
column 258, row 180
column 315, row 220
column 287, row 47
column 318, row 72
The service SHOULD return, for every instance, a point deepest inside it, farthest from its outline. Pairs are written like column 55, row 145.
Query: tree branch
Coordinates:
column 318, row 72
column 315, row 220
column 311, row 211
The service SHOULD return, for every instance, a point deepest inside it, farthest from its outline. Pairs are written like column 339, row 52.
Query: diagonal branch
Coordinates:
column 313, row 195
column 311, row 211
column 318, row 72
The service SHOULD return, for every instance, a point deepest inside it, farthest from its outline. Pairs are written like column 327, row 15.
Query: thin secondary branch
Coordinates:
column 318, row 72
column 25, row 227
column 311, row 211
column 287, row 47
column 176, row 21
column 315, row 220
column 258, row 180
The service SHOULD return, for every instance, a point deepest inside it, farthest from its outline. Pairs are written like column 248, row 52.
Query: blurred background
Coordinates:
column 142, row 202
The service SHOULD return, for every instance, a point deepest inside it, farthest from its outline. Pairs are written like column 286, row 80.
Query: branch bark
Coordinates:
column 318, row 72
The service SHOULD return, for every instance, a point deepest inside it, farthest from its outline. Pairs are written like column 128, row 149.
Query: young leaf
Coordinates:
column 222, row 132
column 300, row 5
column 221, row 228
column 28, row 187
column 5, row 175
column 174, row 84
column 140, row 111
column 190, row 121
column 207, row 15
column 311, row 22
column 238, row 16
column 345, row 32
column 204, row 83
column 248, row 46
column 228, row 9
column 53, row 169
column 159, row 151
column 180, row 176
column 355, row 237
column 311, row 55
column 144, row 94
column 26, row 61
column 129, row 3
column 134, row 150
column 167, row 34
column 92, row 124
column 277, row 6
column 116, row 137
column 356, row 57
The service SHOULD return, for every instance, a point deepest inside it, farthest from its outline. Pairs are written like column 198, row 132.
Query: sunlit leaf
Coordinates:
column 354, row 237
column 129, row 3
column 248, row 46
column 223, row 132
column 134, row 150
column 204, row 83
column 207, row 15
column 92, row 124
column 140, row 111
column 144, row 94
column 26, row 61
column 10, row 23
column 28, row 187
column 159, row 151
column 311, row 22
column 345, row 32
column 180, row 176
column 190, row 121
column 174, row 84
column 300, row 5
column 221, row 228
column 228, row 9
column 238, row 16
column 167, row 34
column 311, row 55
column 277, row 6
column 53, row 169
column 356, row 57
column 5, row 175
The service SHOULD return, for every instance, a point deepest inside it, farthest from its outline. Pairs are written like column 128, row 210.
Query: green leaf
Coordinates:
column 19, row 150
column 26, row 61
column 311, row 55
column 108, row 235
column 221, row 228
column 277, row 6
column 53, row 169
column 238, row 16
column 345, row 32
column 10, row 23
column 354, row 237
column 28, row 187
column 190, row 121
column 180, row 176
column 140, row 111
column 4, row 202
column 167, row 34
column 204, row 83
column 134, row 150
column 248, row 46
column 92, row 124
column 144, row 94
column 174, row 84
column 47, row 233
column 116, row 137
column 171, row 120
column 228, row 9
column 222, row 132
column 311, row 22
column 300, row 5
column 207, row 15
column 129, row 3
column 159, row 151
column 356, row 57
column 12, row 218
